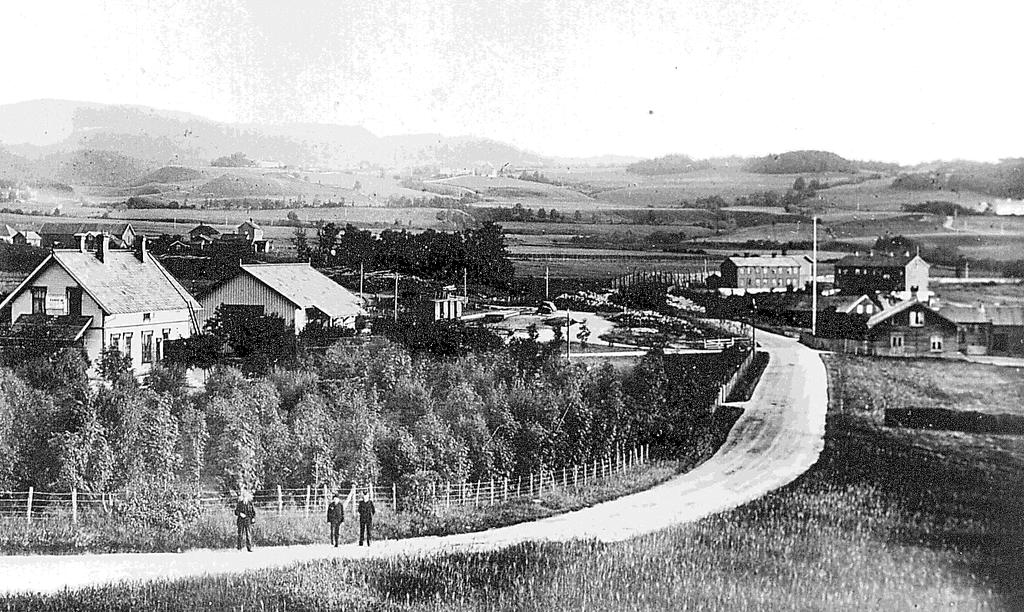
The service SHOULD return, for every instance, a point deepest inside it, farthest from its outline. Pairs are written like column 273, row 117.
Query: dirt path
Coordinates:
column 778, row 437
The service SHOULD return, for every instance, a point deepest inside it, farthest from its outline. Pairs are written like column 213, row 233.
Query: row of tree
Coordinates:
column 359, row 412
column 443, row 256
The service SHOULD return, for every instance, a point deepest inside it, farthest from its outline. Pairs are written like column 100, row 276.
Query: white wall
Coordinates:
column 244, row 290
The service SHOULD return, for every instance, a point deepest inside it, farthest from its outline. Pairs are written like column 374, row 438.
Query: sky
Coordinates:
column 895, row 81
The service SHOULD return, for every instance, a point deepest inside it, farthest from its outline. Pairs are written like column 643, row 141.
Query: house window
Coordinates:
column 147, row 347
column 161, row 344
column 917, row 318
column 936, row 343
column 74, row 295
column 860, row 308
column 38, row 300
column 128, row 344
column 896, row 341
column 146, row 316
column 115, row 341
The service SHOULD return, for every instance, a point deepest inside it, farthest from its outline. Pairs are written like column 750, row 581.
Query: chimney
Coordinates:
column 81, row 242
column 103, row 248
column 143, row 250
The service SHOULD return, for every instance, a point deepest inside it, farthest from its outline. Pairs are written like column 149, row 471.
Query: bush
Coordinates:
column 150, row 503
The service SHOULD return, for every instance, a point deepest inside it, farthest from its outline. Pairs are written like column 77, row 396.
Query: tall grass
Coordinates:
column 215, row 528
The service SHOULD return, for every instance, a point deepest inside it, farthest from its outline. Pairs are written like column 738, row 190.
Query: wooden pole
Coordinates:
column 280, row 500
column 74, row 505
column 28, row 507
column 394, row 496
column 492, row 491
column 309, row 492
column 396, row 296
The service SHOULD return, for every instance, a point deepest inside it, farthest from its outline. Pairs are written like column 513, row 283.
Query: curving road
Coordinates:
column 778, row 437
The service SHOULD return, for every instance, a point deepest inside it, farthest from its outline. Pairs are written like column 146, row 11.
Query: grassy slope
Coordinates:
column 887, row 520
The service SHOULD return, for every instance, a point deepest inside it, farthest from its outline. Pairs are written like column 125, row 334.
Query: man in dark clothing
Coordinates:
column 335, row 516
column 366, row 511
column 245, row 516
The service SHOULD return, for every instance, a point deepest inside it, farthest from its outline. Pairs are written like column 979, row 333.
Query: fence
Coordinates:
column 727, row 386
column 73, row 505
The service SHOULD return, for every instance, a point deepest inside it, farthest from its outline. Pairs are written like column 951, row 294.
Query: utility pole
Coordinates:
column 360, row 282
column 547, row 282
column 396, row 296
column 465, row 284
column 814, row 281
column 568, row 323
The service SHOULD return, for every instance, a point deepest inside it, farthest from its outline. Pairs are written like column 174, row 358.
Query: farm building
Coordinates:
column 7, row 234
column 101, row 298
column 988, row 329
column 912, row 329
column 294, row 291
column 29, row 238
column 202, row 236
column 66, row 235
column 907, row 329
column 253, row 234
column 761, row 273
column 904, row 274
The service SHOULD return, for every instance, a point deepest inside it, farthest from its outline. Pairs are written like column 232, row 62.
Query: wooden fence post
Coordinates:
column 309, row 492
column 280, row 500
column 448, row 494
column 564, row 483
column 74, row 505
column 492, row 490
column 28, row 507
column 476, row 502
column 394, row 496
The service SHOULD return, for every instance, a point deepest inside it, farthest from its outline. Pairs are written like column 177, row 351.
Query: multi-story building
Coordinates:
column 762, row 273
column 95, row 299
column 904, row 274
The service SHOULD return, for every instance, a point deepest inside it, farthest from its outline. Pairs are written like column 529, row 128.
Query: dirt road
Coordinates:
column 778, row 437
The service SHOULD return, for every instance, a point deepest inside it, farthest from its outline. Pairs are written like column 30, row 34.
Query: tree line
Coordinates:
column 363, row 411
column 430, row 254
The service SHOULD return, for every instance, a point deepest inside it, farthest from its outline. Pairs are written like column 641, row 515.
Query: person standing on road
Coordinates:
column 245, row 516
column 366, row 511
column 335, row 516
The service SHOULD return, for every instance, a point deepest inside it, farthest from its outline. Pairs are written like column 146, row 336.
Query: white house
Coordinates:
column 294, row 291
column 107, row 297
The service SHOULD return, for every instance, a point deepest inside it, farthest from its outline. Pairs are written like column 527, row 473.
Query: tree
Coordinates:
column 259, row 341
column 799, row 184
column 301, row 243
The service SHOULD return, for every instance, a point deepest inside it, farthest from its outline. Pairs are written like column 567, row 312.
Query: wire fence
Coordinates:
column 74, row 505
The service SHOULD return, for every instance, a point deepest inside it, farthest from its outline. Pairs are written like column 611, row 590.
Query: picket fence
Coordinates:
column 32, row 505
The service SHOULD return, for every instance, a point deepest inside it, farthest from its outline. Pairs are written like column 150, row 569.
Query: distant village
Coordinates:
column 102, row 286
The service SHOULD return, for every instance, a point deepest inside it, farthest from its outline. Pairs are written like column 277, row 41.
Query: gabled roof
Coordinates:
column 963, row 314
column 204, row 230
column 1006, row 315
column 57, row 228
column 303, row 286
column 250, row 223
column 30, row 235
column 899, row 307
column 878, row 260
column 121, row 283
column 6, row 231
column 762, row 260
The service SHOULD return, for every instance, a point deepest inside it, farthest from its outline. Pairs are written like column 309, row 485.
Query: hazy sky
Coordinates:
column 905, row 81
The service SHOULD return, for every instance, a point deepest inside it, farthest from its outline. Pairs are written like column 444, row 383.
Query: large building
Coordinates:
column 910, row 329
column 294, row 291
column 102, row 298
column 904, row 274
column 762, row 273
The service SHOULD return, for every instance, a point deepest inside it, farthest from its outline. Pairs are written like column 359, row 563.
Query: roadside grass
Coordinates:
column 215, row 528
column 888, row 519
column 744, row 388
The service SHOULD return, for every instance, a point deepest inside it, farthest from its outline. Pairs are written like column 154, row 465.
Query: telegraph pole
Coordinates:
column 360, row 281
column 814, row 281
column 568, row 323
column 547, row 282
column 396, row 296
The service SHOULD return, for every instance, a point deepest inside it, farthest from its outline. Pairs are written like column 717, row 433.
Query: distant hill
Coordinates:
column 669, row 164
column 92, row 167
column 41, row 128
column 800, row 162
column 1004, row 179
column 171, row 174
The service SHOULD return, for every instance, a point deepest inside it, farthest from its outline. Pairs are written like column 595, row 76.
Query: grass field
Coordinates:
column 988, row 294
column 886, row 520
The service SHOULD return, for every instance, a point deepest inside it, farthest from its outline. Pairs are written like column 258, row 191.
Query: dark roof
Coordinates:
column 121, row 283
column 764, row 260
column 877, row 260
column 204, row 230
column 963, row 314
column 70, row 229
column 1006, row 315
column 899, row 307
column 40, row 326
